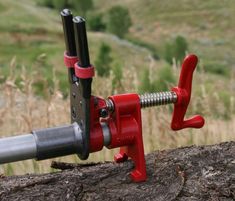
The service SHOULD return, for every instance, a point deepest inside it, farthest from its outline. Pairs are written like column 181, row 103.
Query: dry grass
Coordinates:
column 21, row 111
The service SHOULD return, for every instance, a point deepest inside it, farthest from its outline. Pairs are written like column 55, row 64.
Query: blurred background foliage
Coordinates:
column 136, row 46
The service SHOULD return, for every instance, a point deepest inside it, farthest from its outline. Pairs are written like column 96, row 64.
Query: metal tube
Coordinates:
column 17, row 148
column 42, row 144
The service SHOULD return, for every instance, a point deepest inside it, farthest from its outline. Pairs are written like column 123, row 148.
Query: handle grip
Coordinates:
column 81, row 41
column 183, row 91
column 67, row 21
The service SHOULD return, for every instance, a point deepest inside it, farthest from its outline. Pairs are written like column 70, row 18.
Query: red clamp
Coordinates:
column 84, row 73
column 69, row 61
column 183, row 92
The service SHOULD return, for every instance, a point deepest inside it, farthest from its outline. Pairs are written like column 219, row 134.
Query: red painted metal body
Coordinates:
column 125, row 129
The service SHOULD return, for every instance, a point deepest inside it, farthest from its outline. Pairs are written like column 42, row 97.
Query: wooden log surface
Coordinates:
column 189, row 173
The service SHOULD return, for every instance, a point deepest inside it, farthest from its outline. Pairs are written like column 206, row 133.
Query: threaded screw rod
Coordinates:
column 150, row 99
column 159, row 98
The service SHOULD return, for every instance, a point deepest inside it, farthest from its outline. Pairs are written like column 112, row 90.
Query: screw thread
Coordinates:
column 159, row 98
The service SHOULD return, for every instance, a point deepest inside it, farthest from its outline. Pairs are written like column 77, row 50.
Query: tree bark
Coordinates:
column 189, row 173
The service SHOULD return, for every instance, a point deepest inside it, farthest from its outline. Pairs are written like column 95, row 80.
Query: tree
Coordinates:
column 119, row 21
column 103, row 60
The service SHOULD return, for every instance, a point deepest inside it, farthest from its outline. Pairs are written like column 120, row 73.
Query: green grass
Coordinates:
column 1, row 7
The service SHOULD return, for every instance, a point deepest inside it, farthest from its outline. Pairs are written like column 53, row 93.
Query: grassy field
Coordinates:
column 208, row 26
column 31, row 49
column 34, row 36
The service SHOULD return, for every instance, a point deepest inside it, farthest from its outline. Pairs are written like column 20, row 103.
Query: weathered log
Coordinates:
column 189, row 173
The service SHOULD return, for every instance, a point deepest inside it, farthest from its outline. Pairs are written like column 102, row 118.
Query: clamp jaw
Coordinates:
column 97, row 122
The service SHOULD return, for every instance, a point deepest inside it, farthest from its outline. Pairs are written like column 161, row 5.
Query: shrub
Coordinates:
column 216, row 68
column 145, row 83
column 95, row 22
column 164, row 79
column 60, row 4
column 225, row 98
column 161, row 82
column 46, row 3
column 176, row 49
column 117, row 77
column 82, row 6
column 103, row 60
column 119, row 21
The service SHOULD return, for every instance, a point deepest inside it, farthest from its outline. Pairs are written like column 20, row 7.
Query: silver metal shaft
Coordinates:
column 17, row 148
column 46, row 143
column 159, row 98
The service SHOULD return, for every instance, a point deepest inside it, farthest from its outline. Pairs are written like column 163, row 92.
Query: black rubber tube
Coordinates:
column 67, row 21
column 58, row 141
column 81, row 41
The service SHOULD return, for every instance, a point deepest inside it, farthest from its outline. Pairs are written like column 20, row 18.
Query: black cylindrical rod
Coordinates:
column 67, row 21
column 81, row 41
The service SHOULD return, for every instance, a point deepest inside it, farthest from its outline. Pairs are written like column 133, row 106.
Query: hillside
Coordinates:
column 32, row 33
column 208, row 26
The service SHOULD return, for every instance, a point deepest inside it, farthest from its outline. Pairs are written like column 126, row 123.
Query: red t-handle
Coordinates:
column 183, row 92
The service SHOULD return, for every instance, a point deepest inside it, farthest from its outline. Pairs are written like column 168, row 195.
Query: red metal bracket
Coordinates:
column 126, row 130
column 183, row 92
